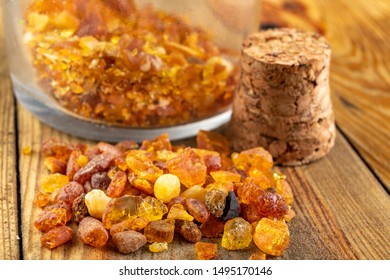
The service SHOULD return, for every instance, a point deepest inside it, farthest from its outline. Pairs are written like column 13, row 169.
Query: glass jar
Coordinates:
column 120, row 69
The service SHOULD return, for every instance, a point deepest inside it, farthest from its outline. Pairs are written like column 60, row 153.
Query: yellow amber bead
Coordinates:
column 166, row 187
column 271, row 236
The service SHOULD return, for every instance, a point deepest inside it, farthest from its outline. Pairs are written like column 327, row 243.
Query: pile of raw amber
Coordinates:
column 134, row 195
column 114, row 62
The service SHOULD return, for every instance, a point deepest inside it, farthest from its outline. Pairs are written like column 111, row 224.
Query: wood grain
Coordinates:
column 359, row 78
column 9, row 236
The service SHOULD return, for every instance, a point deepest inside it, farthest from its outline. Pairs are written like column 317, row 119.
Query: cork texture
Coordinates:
column 283, row 100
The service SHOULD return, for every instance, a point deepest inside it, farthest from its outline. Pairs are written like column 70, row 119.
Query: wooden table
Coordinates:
column 342, row 201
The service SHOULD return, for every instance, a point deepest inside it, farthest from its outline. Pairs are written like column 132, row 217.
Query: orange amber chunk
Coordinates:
column 142, row 166
column 56, row 237
column 160, row 231
column 206, row 251
column 258, row 158
column 272, row 236
column 189, row 167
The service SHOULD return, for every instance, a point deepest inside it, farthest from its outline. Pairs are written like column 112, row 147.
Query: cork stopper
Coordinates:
column 283, row 100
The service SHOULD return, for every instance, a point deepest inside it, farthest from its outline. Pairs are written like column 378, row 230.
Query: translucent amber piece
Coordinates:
column 289, row 215
column 225, row 176
column 271, row 236
column 157, row 247
column 189, row 167
column 257, row 157
column 160, row 231
column 52, row 182
column 237, row 234
column 283, row 188
column 166, row 187
column 248, row 191
column 206, row 251
column 260, row 178
column 134, row 223
column 82, row 160
column 177, row 212
column 212, row 227
column 128, row 206
column 142, row 166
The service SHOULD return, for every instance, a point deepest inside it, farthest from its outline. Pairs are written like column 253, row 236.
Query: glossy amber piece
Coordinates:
column 134, row 223
column 237, row 234
column 206, row 251
column 41, row 199
column 128, row 206
column 225, row 176
column 188, row 167
column 272, row 236
column 283, row 188
column 142, row 166
column 257, row 157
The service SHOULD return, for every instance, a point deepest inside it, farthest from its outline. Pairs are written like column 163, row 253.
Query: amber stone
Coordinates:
column 92, row 232
column 134, row 223
column 215, row 201
column 190, row 231
column 57, row 236
column 70, row 192
column 237, row 234
column 142, row 166
column 117, row 184
column 127, row 206
column 272, row 236
column 189, row 167
column 213, row 227
column 50, row 218
column 128, row 241
column 206, row 251
column 160, row 231
column 197, row 209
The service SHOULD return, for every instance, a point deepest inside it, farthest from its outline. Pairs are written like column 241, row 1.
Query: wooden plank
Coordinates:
column 9, row 235
column 359, row 78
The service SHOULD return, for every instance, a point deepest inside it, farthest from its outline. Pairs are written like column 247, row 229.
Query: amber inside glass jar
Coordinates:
column 135, row 64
